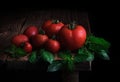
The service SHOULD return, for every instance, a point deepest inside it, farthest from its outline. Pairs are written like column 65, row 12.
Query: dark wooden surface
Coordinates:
column 15, row 23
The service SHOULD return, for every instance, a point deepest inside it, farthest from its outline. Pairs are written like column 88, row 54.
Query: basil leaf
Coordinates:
column 103, row 54
column 47, row 56
column 70, row 65
column 96, row 43
column 90, row 57
column 68, row 60
column 33, row 57
column 11, row 49
column 55, row 66
column 83, row 55
column 20, row 52
column 65, row 54
column 80, row 58
column 15, row 51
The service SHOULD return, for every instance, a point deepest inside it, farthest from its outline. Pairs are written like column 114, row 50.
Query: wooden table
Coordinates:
column 13, row 23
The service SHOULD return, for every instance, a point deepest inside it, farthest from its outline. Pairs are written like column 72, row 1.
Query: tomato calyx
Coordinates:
column 22, row 44
column 72, row 25
column 42, row 32
column 55, row 21
column 26, row 46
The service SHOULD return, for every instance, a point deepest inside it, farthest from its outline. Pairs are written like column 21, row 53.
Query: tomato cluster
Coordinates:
column 56, row 36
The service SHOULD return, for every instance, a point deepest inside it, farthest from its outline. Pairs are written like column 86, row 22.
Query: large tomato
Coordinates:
column 39, row 40
column 52, row 27
column 19, row 39
column 72, row 38
column 52, row 45
column 31, row 31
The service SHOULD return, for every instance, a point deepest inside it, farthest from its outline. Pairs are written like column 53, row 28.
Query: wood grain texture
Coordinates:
column 16, row 23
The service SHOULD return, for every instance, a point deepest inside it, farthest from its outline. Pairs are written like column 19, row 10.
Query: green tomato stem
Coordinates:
column 41, row 31
column 72, row 25
column 55, row 21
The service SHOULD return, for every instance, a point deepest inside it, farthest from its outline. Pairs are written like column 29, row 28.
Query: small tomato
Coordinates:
column 18, row 39
column 31, row 31
column 39, row 40
column 52, row 45
column 52, row 27
column 27, row 47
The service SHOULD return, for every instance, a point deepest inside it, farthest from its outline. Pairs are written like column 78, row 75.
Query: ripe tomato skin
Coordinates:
column 52, row 28
column 39, row 40
column 31, row 31
column 72, row 39
column 46, row 24
column 18, row 39
column 27, row 47
column 52, row 45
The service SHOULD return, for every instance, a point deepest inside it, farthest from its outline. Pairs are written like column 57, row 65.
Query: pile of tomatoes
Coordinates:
column 53, row 36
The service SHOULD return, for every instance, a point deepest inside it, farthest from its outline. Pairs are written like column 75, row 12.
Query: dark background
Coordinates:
column 103, row 24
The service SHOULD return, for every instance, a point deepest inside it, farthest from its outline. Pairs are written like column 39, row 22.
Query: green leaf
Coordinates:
column 96, row 43
column 80, row 58
column 65, row 54
column 33, row 57
column 81, row 50
column 70, row 65
column 103, row 54
column 15, row 51
column 55, row 66
column 47, row 56
column 19, row 52
column 68, row 61
column 83, row 55
column 11, row 49
column 90, row 57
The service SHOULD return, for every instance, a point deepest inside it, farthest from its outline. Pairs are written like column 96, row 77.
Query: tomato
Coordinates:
column 52, row 45
column 27, row 47
column 18, row 39
column 39, row 40
column 52, row 27
column 72, row 38
column 31, row 31
column 46, row 24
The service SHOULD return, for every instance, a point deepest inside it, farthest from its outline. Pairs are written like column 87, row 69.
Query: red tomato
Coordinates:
column 27, row 47
column 52, row 28
column 72, row 38
column 52, row 45
column 18, row 39
column 31, row 31
column 39, row 40
column 46, row 24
